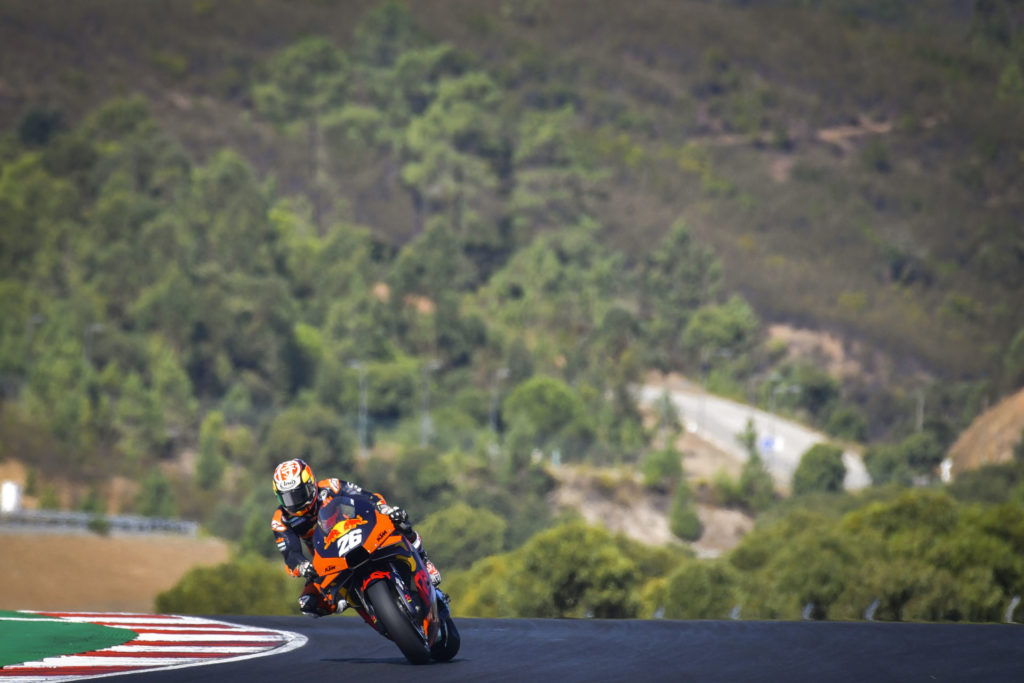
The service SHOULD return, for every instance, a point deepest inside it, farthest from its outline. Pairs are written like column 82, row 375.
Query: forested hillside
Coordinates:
column 434, row 247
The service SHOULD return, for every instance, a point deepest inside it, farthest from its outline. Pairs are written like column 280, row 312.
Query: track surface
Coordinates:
column 346, row 649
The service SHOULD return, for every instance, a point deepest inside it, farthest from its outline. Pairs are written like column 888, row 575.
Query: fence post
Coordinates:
column 1011, row 608
column 869, row 613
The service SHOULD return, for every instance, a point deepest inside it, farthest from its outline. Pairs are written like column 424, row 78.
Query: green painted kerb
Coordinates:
column 28, row 637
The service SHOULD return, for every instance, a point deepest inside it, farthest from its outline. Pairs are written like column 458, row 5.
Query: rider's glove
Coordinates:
column 305, row 569
column 398, row 516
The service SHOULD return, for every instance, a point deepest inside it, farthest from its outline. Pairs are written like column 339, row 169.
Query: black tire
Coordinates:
column 396, row 623
column 448, row 646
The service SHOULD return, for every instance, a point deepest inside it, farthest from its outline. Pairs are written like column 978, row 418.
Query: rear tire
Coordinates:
column 396, row 623
column 445, row 649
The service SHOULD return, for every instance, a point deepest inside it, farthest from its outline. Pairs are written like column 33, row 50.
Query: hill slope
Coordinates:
column 852, row 163
column 992, row 437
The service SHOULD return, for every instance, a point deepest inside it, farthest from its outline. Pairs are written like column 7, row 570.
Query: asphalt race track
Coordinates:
column 345, row 649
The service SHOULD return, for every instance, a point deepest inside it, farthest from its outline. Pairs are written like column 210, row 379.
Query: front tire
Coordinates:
column 396, row 623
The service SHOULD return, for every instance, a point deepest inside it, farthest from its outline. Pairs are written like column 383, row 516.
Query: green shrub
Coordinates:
column 662, row 469
column 247, row 585
column 821, row 468
column 847, row 422
column 701, row 590
column 458, row 536
column 584, row 573
column 682, row 517
column 757, row 488
column 988, row 484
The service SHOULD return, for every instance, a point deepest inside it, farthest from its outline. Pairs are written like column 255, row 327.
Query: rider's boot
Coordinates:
column 313, row 604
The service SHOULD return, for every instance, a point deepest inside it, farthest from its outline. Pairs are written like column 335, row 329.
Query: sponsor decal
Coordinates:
column 162, row 642
column 287, row 475
column 374, row 577
column 342, row 528
column 277, row 525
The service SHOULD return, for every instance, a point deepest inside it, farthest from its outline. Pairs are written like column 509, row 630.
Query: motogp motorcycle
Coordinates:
column 360, row 556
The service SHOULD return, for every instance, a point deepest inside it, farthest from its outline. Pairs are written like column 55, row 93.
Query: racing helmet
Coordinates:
column 295, row 486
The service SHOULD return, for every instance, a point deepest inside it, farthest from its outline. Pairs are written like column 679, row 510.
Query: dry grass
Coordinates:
column 88, row 572
column 992, row 437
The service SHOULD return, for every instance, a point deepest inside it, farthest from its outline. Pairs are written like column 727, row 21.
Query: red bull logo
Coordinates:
column 343, row 527
column 350, row 524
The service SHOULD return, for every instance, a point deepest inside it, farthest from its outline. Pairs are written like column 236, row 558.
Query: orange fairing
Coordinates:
column 380, row 535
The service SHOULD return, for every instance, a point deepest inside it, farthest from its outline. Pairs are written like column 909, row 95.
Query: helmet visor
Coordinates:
column 298, row 498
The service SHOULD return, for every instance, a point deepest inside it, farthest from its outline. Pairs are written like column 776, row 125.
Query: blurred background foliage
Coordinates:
column 434, row 252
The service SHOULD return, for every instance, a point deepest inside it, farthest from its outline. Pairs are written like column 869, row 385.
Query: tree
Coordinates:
column 917, row 455
column 451, row 152
column 215, row 590
column 701, row 590
column 663, row 469
column 1013, row 361
column 679, row 276
column 384, row 32
column 460, row 535
column 584, row 574
column 548, row 411
column 312, row 433
column 210, row 464
column 156, row 497
column 682, row 517
column 304, row 83
column 756, row 488
column 553, row 187
column 821, row 469
column 730, row 328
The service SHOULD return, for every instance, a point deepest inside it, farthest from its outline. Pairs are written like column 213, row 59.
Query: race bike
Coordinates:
column 360, row 556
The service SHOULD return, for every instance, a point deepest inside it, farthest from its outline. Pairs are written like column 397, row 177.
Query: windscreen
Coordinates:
column 338, row 509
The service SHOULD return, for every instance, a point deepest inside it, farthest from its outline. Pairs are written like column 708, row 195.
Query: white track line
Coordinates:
column 183, row 649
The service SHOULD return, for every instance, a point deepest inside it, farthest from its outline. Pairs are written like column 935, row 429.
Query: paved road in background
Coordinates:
column 781, row 442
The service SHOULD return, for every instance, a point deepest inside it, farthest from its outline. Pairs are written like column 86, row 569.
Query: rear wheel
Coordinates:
column 447, row 646
column 396, row 622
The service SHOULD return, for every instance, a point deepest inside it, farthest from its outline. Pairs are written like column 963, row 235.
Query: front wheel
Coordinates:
column 396, row 623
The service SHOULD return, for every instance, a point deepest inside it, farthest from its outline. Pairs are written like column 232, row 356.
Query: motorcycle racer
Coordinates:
column 300, row 497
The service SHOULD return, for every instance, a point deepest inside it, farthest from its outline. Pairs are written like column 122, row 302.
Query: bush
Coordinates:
column 662, row 469
column 156, row 497
column 821, row 469
column 701, row 590
column 247, row 585
column 682, row 517
column 918, row 454
column 847, row 422
column 574, row 571
column 988, row 484
column 458, row 536
column 757, row 488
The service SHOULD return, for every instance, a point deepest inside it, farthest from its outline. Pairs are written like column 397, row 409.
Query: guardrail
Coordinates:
column 71, row 521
